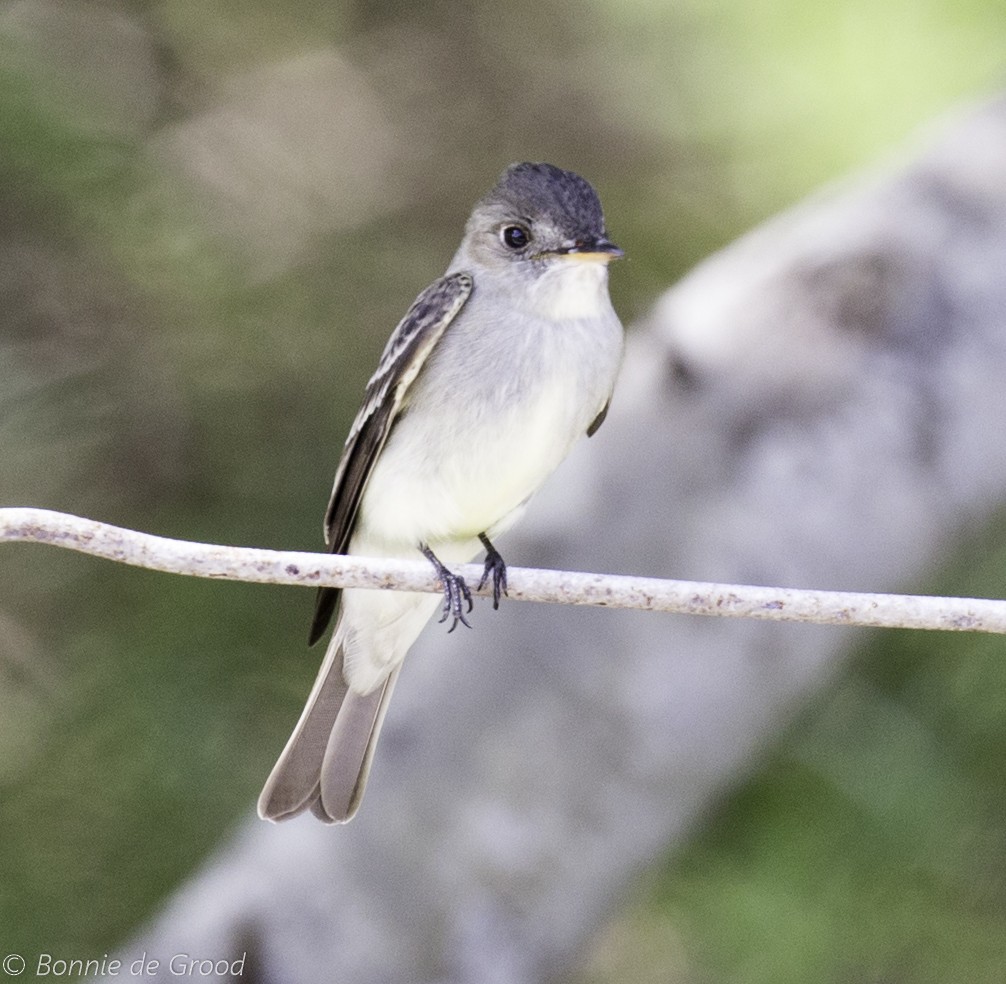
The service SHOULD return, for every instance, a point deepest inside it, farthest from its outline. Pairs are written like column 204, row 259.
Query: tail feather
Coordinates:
column 325, row 764
column 294, row 782
column 350, row 752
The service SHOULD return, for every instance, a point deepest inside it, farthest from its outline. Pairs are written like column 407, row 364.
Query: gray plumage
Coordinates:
column 484, row 386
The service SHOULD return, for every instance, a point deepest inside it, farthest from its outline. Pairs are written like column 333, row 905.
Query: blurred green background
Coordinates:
column 212, row 212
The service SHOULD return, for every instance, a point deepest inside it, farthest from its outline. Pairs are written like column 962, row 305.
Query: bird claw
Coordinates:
column 495, row 567
column 456, row 592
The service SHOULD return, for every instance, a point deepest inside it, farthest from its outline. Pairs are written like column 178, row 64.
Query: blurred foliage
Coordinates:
column 197, row 276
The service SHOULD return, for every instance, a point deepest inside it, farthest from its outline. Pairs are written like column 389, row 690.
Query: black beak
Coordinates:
column 591, row 246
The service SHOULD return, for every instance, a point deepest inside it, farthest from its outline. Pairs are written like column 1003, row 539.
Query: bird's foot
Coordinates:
column 495, row 568
column 456, row 592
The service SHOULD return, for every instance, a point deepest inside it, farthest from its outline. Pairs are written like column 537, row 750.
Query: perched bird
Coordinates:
column 483, row 388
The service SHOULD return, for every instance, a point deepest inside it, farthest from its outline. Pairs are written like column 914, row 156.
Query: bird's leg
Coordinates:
column 496, row 566
column 455, row 591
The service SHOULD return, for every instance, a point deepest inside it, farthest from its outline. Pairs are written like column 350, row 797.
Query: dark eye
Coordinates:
column 515, row 236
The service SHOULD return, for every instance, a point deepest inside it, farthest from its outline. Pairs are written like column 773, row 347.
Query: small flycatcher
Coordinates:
column 483, row 388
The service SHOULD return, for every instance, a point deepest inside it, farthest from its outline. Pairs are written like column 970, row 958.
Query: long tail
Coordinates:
column 325, row 764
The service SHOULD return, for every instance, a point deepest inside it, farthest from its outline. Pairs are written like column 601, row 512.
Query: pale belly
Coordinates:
column 437, row 482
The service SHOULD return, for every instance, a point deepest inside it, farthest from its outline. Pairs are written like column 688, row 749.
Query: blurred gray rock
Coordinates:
column 819, row 405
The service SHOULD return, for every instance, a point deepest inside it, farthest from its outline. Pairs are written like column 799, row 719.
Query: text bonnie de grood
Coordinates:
column 178, row 965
